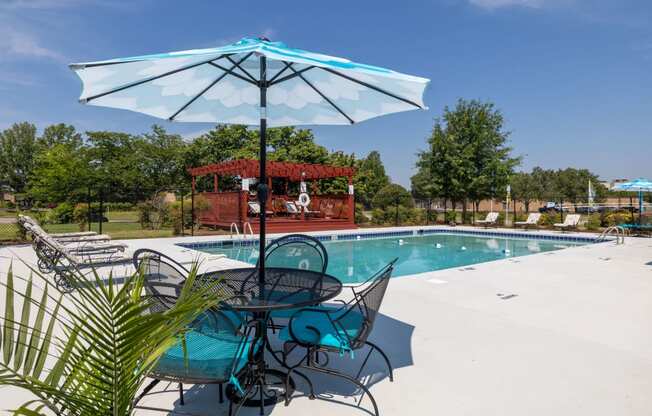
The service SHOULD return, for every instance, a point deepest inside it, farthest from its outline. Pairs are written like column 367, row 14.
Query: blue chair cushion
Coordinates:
column 348, row 324
column 213, row 351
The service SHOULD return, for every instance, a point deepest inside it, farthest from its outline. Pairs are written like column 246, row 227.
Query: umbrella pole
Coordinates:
column 262, row 184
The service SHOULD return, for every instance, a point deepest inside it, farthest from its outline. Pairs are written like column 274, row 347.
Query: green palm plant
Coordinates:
column 88, row 353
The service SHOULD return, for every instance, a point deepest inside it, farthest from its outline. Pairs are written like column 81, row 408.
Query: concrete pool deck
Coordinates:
column 576, row 339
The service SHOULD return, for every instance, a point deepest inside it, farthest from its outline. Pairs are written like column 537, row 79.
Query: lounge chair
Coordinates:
column 339, row 329
column 27, row 221
column 254, row 207
column 532, row 220
column 491, row 219
column 291, row 208
column 570, row 222
column 63, row 261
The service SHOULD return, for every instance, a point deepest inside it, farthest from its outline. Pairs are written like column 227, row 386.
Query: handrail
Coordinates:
column 237, row 232
column 618, row 230
column 244, row 229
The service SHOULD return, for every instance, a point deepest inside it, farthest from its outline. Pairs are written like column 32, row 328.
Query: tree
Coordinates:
column 467, row 156
column 370, row 178
column 18, row 149
column 162, row 160
column 572, row 185
column 60, row 134
column 60, row 174
column 392, row 195
column 524, row 188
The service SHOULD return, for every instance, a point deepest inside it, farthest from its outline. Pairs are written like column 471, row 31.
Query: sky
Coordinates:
column 573, row 78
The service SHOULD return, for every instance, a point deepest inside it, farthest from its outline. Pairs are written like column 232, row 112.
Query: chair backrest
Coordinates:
column 291, row 207
column 254, row 206
column 297, row 251
column 492, row 216
column 164, row 277
column 572, row 219
column 534, row 218
column 368, row 301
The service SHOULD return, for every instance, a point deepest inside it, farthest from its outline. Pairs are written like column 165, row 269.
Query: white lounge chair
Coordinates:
column 532, row 220
column 570, row 222
column 27, row 221
column 491, row 219
column 291, row 208
column 254, row 207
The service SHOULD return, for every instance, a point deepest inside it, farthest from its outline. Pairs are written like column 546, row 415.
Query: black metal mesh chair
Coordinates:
column 218, row 344
column 294, row 251
column 343, row 330
column 297, row 251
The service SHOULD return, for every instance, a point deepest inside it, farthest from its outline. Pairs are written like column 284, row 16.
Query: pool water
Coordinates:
column 355, row 260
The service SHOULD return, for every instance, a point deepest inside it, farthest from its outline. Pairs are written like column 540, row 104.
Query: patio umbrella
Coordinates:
column 641, row 185
column 252, row 82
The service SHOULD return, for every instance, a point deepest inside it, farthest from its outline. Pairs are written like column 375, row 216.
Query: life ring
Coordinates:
column 304, row 199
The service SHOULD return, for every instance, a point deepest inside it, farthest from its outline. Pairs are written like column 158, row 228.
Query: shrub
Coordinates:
column 616, row 218
column 593, row 222
column 62, row 213
column 377, row 216
column 451, row 216
column 389, row 195
column 360, row 217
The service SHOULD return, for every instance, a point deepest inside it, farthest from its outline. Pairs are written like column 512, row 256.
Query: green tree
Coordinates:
column 391, row 195
column 524, row 188
column 60, row 134
column 18, row 148
column 162, row 160
column 370, row 178
column 61, row 174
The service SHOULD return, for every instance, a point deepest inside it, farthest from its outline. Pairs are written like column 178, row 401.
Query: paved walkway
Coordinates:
column 559, row 333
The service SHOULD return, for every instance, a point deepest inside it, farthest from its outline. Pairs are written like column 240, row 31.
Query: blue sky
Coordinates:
column 572, row 77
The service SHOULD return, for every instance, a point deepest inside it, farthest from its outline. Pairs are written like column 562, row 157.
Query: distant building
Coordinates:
column 610, row 185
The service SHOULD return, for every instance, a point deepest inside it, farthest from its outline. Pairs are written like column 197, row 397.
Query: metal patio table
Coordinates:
column 282, row 289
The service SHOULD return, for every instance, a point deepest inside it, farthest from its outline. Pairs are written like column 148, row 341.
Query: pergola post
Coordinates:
column 192, row 206
column 215, row 182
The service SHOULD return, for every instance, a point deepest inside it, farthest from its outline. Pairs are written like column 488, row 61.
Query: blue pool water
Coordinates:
column 355, row 260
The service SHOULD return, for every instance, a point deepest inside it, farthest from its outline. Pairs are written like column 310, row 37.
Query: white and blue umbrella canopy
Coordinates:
column 637, row 185
column 222, row 85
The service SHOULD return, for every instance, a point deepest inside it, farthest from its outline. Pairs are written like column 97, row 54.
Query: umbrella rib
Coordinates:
column 237, row 64
column 373, row 87
column 230, row 72
column 323, row 96
column 288, row 77
column 285, row 68
column 142, row 81
column 218, row 79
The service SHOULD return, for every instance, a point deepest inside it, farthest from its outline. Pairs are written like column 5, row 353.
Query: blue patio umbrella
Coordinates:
column 639, row 185
column 252, row 82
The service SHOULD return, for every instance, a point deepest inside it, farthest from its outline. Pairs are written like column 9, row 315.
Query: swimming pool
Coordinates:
column 353, row 260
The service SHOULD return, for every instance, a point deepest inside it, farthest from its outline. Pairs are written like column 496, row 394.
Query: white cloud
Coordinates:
column 496, row 4
column 20, row 44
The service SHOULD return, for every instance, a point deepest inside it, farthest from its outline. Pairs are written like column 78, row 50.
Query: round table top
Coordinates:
column 283, row 288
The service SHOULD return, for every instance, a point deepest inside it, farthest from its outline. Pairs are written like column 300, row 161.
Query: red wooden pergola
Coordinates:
column 325, row 212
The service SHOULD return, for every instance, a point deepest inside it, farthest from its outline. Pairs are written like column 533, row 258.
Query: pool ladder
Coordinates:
column 246, row 226
column 615, row 229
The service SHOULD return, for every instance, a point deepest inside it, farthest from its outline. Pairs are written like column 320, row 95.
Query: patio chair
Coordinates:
column 254, row 208
column 64, row 262
column 491, row 219
column 294, row 251
column 570, row 222
column 341, row 330
column 24, row 220
column 532, row 220
column 67, row 240
column 291, row 208
column 218, row 343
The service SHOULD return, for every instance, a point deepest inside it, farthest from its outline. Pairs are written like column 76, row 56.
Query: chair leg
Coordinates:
column 349, row 379
column 146, row 390
column 181, row 402
column 389, row 365
column 221, row 392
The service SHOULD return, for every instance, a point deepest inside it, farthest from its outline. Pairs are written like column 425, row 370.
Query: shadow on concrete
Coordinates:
column 392, row 335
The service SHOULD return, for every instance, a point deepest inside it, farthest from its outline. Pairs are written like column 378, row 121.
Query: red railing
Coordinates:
column 224, row 207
